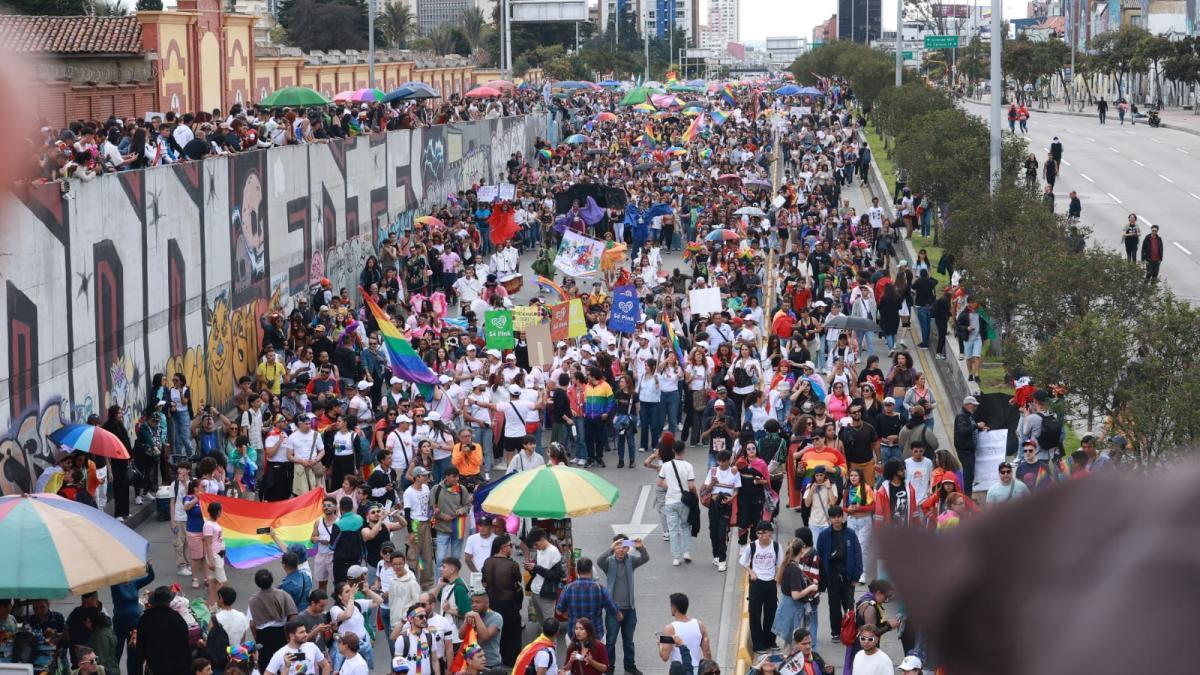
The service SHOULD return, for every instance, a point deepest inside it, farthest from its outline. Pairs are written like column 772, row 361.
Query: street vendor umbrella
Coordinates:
column 729, row 179
column 723, row 234
column 90, row 439
column 757, row 184
column 788, row 90
column 573, row 84
column 749, row 211
column 483, row 92
column 847, row 322
column 635, row 96
column 552, row 492
column 359, row 95
column 810, row 91
column 294, row 96
column 609, row 83
column 56, row 547
column 499, row 84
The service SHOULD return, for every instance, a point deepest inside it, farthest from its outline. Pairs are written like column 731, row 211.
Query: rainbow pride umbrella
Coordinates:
column 644, row 107
column 241, row 521
column 56, row 548
column 90, row 439
column 576, row 139
column 552, row 492
column 606, row 117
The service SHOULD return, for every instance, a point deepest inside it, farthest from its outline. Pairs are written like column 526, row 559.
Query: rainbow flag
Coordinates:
column 549, row 283
column 460, row 528
column 241, row 519
column 525, row 658
column 406, row 364
column 470, row 643
column 692, row 130
column 675, row 343
column 718, row 117
column 706, row 153
column 546, row 153
column 726, row 95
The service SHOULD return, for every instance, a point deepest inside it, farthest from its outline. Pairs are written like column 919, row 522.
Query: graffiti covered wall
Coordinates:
column 170, row 269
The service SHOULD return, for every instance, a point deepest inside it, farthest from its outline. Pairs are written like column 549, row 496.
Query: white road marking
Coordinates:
column 1183, row 151
column 1165, row 178
column 1089, row 179
column 1114, row 149
column 1114, row 197
column 1066, row 162
column 1156, row 140
column 1144, row 220
column 1194, row 195
column 1181, row 248
column 1138, row 163
column 1090, row 139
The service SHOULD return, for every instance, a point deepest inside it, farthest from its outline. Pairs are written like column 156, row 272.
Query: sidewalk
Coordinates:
column 1173, row 118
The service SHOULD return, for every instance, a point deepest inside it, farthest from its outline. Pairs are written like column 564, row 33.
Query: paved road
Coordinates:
column 1122, row 169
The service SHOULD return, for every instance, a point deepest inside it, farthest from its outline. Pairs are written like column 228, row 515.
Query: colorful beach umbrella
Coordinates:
column 552, row 492
column 722, row 234
column 90, row 439
column 635, row 96
column 644, row 107
column 430, row 220
column 56, row 548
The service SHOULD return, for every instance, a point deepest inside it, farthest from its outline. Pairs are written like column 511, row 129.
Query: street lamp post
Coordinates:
column 899, row 42
column 997, row 93
column 371, row 43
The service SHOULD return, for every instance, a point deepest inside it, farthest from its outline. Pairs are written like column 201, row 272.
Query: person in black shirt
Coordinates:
column 888, row 425
column 861, row 443
column 719, row 433
column 926, row 292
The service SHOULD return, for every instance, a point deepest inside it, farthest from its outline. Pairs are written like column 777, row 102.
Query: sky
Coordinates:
column 761, row 19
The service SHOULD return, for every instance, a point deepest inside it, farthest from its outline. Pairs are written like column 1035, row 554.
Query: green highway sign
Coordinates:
column 906, row 55
column 941, row 41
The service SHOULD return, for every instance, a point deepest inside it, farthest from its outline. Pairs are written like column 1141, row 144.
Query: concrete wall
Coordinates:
column 169, row 269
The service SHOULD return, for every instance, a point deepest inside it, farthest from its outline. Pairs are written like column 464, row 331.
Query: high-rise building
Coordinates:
column 783, row 51
column 722, row 24
column 825, row 32
column 434, row 13
column 859, row 20
column 654, row 16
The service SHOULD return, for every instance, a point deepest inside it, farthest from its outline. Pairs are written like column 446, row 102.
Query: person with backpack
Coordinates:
column 868, row 619
column 346, row 540
column 966, row 434
column 684, row 641
column 538, row 657
column 841, row 562
column 230, row 627
column 761, row 557
column 1043, row 426
column 452, row 503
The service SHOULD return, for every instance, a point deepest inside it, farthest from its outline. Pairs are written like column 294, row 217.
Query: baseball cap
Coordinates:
column 395, row 380
column 443, row 379
column 357, row 571
column 888, row 400
column 418, row 471
column 718, row 403
column 404, row 418
column 433, row 416
column 364, row 385
column 478, row 382
column 514, row 390
column 970, row 400
column 400, row 665
column 495, row 352
column 910, row 663
column 470, row 348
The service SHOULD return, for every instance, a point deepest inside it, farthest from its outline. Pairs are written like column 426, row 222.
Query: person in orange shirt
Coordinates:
column 467, row 457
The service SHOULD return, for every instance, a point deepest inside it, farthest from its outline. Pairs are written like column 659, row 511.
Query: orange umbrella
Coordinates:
column 483, row 92
column 430, row 220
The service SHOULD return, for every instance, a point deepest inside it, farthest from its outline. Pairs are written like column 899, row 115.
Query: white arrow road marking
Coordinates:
column 635, row 528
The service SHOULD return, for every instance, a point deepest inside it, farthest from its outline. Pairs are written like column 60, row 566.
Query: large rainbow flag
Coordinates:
column 718, row 116
column 405, row 363
column 241, row 520
column 727, row 95
column 675, row 344
column 692, row 130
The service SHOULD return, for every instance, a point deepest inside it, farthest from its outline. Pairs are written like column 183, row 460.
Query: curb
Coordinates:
column 1072, row 113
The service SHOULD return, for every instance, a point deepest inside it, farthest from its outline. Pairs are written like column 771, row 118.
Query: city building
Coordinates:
column 654, row 17
column 722, row 24
column 783, row 51
column 434, row 13
column 825, row 32
column 859, row 20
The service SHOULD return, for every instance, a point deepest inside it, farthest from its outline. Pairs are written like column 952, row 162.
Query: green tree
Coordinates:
column 108, row 8
column 443, row 39
column 1151, row 52
column 471, row 24
column 1116, row 52
column 49, row 7
column 973, row 64
column 397, row 23
column 1027, row 62
column 149, row 5
column 1183, row 65
column 896, row 106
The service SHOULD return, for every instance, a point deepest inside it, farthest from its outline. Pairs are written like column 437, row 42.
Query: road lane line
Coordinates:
column 1090, row 139
column 1194, row 195
column 1183, row 151
column 1144, row 220
column 1089, row 179
column 1165, row 178
column 1066, row 162
column 1181, row 248
column 1114, row 149
column 1156, row 140
column 1138, row 163
column 1114, row 197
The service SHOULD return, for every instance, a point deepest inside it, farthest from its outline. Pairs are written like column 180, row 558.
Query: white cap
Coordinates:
column 404, row 418
column 478, row 382
column 356, row 571
column 395, row 380
column 572, row 354
column 910, row 662
column 510, row 357
column 495, row 352
column 589, row 349
column 820, row 303
column 808, row 364
column 443, row 379
column 702, row 343
column 471, row 348
column 560, row 345
column 646, row 336
column 433, row 416
column 364, row 385
column 970, row 400
column 514, row 390
column 889, row 399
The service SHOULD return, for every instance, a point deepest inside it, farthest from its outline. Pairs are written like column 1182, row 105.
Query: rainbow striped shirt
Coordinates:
column 598, row 400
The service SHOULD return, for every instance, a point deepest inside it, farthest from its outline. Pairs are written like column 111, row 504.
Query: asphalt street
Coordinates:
column 1121, row 169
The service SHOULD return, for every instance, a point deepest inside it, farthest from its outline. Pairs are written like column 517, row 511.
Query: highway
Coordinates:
column 1121, row 169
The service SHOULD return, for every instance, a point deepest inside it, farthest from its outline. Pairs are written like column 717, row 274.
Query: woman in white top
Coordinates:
column 669, row 375
column 757, row 410
column 346, row 615
column 696, row 373
column 744, row 381
column 345, row 437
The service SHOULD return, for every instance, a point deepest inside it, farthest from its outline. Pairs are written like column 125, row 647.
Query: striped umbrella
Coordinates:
column 552, row 492
column 55, row 548
column 90, row 439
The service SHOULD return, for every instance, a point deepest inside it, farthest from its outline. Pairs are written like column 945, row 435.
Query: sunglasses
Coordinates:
column 867, row 638
column 1005, row 470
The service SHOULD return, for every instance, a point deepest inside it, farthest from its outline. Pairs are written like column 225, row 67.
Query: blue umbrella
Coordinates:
column 408, row 93
column 788, row 90
column 810, row 91
column 571, row 84
column 609, row 83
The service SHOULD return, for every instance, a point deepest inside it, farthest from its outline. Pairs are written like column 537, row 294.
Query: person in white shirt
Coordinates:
column 305, row 448
column 918, row 471
column 417, row 511
column 402, row 443
column 724, row 481
column 352, row 662
column 414, row 646
column 360, row 404
column 1007, row 488
column 298, row 656
column 235, row 623
column 761, row 558
column 402, row 590
column 527, row 459
column 819, row 496
column 677, row 476
column 871, row 660
column 479, row 545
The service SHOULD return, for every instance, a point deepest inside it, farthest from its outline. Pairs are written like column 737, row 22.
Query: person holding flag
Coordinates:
column 540, row 653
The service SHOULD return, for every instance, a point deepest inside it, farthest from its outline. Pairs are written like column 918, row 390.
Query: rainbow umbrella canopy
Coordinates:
column 56, row 548
column 552, row 492
column 90, row 439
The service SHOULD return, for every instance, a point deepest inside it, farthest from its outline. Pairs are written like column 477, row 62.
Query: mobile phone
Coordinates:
column 628, row 543
column 666, row 640
column 263, row 530
column 387, row 506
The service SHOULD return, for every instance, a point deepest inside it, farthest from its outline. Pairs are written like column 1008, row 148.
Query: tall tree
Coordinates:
column 397, row 23
column 1150, row 53
column 1116, row 52
column 149, row 5
column 471, row 24
column 444, row 39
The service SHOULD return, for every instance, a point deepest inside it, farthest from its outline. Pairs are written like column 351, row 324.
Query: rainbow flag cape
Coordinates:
column 692, row 130
column 675, row 343
column 727, row 95
column 241, row 519
column 718, row 116
column 531, row 650
column 470, row 643
column 549, row 284
column 706, row 153
column 546, row 153
column 406, row 364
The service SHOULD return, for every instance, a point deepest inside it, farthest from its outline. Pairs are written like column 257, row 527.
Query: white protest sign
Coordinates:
column 506, row 192
column 704, row 300
column 487, row 193
column 990, row 449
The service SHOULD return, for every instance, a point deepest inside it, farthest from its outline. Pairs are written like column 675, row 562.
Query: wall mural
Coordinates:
column 170, row 269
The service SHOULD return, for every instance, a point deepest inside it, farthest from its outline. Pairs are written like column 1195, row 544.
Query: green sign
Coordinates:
column 941, row 42
column 907, row 56
column 498, row 329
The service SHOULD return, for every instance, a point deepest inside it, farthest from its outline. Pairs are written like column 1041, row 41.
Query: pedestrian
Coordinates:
column 270, row 610
column 1102, row 108
column 799, row 588
column 539, row 657
column 585, row 597
column 684, row 640
column 870, row 660
column 1056, row 151
column 126, row 613
column 452, row 504
column 296, row 655
column 1013, row 115
column 1007, row 488
column 721, row 484
column 972, row 329
column 678, row 478
column 1023, row 118
column 841, row 564
column 547, row 569
column 501, row 578
column 1152, row 253
column 619, row 563
column 418, row 513
column 415, row 647
column 586, row 654
column 1074, row 207
column 1122, row 108
column 966, row 435
column 1050, row 171
column 488, row 626
column 348, row 616
column 761, row 558
column 162, row 636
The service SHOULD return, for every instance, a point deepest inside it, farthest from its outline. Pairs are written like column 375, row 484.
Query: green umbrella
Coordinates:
column 294, row 97
column 635, row 96
column 551, row 492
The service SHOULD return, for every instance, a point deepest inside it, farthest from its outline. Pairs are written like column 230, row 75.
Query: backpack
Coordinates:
column 531, row 669
column 684, row 665
column 1050, row 437
column 217, row 645
column 848, row 632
